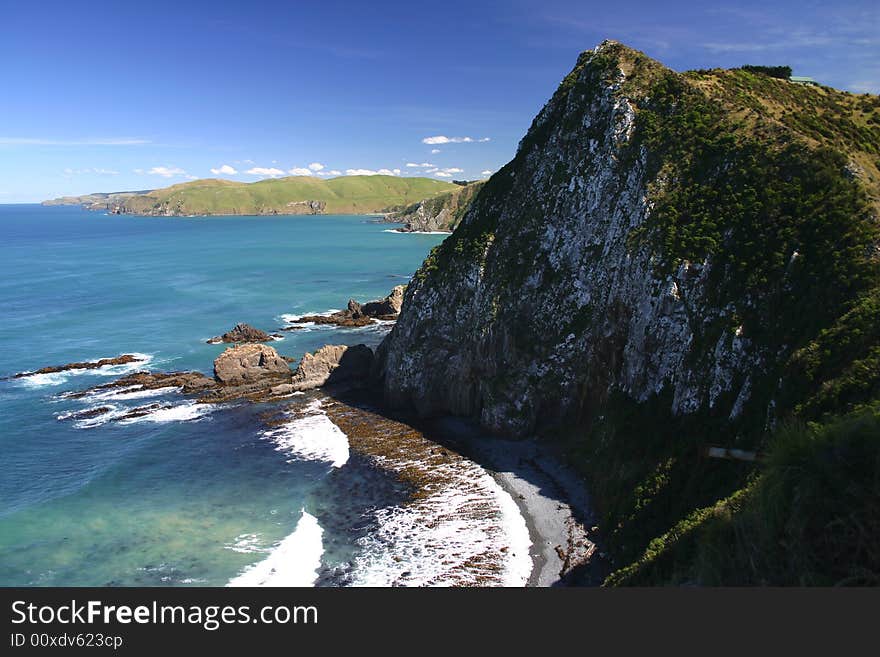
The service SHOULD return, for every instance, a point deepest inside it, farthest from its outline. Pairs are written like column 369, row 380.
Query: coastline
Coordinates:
column 550, row 497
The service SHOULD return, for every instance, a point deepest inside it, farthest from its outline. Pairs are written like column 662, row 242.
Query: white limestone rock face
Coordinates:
column 540, row 308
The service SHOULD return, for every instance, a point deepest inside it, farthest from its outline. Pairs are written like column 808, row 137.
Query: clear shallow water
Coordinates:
column 185, row 496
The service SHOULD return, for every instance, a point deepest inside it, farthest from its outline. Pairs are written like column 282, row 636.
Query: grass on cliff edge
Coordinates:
column 811, row 516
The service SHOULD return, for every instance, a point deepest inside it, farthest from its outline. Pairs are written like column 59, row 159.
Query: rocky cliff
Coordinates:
column 670, row 261
column 440, row 213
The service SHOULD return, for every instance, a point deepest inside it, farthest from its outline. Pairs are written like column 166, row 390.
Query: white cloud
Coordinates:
column 445, row 173
column 316, row 166
column 423, row 165
column 396, row 172
column 300, row 171
column 166, row 172
column 487, row 172
column 371, row 172
column 434, row 151
column 443, row 139
column 224, row 169
column 263, row 171
column 335, row 172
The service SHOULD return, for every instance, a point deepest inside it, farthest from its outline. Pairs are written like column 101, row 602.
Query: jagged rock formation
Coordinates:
column 388, row 306
column 440, row 213
column 331, row 365
column 669, row 260
column 357, row 314
column 243, row 333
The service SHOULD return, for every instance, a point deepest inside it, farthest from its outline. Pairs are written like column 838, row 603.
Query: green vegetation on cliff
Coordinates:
column 670, row 262
column 778, row 185
column 293, row 195
column 441, row 212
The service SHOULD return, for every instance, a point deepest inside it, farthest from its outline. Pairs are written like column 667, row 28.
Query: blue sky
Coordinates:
column 103, row 96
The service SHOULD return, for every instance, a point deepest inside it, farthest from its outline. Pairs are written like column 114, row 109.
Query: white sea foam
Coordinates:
column 41, row 380
column 295, row 561
column 437, row 540
column 184, row 412
column 312, row 436
column 58, row 378
column 110, row 414
column 294, row 319
column 118, row 370
column 133, row 392
column 247, row 544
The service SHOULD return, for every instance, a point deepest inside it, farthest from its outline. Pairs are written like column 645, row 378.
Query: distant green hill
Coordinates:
column 294, row 195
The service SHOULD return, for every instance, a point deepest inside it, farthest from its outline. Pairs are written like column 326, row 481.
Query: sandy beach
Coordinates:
column 551, row 497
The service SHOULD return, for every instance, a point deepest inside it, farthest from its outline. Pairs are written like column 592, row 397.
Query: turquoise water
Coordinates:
column 186, row 497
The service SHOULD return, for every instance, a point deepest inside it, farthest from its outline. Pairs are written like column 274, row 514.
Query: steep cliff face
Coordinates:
column 643, row 277
column 440, row 213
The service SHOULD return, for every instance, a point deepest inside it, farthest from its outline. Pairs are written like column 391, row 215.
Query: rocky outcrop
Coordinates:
column 387, row 307
column 357, row 314
column 247, row 371
column 187, row 382
column 438, row 214
column 304, row 207
column 333, row 365
column 249, row 363
column 124, row 359
column 352, row 316
column 243, row 333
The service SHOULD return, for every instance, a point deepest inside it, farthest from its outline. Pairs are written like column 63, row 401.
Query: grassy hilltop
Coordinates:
column 293, row 195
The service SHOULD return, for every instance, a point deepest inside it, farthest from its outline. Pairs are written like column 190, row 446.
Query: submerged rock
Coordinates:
column 248, row 363
column 188, row 382
column 124, row 359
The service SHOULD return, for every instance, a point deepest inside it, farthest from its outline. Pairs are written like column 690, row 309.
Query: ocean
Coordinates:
column 186, row 494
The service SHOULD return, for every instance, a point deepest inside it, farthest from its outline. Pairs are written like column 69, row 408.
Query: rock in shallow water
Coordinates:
column 124, row 359
column 333, row 364
column 357, row 314
column 247, row 363
column 242, row 333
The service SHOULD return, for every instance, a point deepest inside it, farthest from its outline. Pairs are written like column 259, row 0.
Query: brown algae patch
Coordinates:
column 459, row 527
